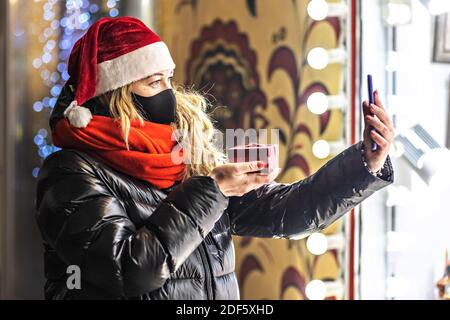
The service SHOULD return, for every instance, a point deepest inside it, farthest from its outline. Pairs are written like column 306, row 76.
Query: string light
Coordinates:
column 68, row 29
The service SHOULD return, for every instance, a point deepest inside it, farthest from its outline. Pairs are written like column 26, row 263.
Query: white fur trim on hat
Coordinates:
column 133, row 66
column 78, row 116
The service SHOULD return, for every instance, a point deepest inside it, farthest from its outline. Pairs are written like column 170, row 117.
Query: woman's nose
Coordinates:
column 167, row 84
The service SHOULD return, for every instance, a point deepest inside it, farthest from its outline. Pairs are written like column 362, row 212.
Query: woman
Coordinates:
column 115, row 206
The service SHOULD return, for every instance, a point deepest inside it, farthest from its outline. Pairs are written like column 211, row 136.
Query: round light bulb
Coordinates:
column 318, row 9
column 317, row 103
column 398, row 14
column 317, row 244
column 318, row 58
column 396, row 287
column 437, row 7
column 321, row 149
column 316, row 290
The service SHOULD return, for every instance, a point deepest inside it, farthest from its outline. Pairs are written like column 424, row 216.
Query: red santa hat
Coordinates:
column 112, row 53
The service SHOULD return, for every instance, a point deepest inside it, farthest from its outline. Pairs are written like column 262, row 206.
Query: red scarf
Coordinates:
column 150, row 154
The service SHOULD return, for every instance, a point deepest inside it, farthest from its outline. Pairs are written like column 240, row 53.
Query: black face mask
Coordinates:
column 160, row 108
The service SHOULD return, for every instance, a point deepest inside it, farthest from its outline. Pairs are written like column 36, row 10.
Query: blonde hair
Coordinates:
column 192, row 119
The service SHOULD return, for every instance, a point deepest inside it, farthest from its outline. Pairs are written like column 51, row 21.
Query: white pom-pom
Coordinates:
column 78, row 116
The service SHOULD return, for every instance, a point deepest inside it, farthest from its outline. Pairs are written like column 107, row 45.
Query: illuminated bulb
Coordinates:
column 398, row 13
column 396, row 287
column 317, row 244
column 35, row 172
column 318, row 9
column 437, row 7
column 316, row 290
column 37, row 63
column 317, row 103
column 318, row 58
column 393, row 61
column 397, row 241
column 398, row 195
column 321, row 149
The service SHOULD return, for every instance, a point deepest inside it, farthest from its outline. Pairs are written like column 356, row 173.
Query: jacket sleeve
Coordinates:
column 88, row 226
column 295, row 210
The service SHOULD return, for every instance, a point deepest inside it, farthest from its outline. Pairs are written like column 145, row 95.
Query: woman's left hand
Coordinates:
column 383, row 136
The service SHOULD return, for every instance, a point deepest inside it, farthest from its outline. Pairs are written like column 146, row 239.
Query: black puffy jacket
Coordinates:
column 131, row 240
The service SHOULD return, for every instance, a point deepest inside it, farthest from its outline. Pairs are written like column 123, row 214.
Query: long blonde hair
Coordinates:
column 192, row 118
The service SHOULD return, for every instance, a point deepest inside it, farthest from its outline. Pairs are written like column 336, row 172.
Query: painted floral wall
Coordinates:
column 250, row 55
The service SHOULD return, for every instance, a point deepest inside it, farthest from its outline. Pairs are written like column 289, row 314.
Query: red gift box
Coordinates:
column 268, row 153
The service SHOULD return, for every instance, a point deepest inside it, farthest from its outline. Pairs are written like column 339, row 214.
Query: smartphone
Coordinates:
column 371, row 101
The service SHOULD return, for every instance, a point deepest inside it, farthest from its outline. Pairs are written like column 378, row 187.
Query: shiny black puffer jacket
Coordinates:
column 132, row 240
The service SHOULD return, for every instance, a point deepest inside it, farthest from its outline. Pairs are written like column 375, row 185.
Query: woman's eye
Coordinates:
column 157, row 82
column 154, row 83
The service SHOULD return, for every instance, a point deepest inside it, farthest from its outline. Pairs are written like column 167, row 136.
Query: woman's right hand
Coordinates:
column 236, row 179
